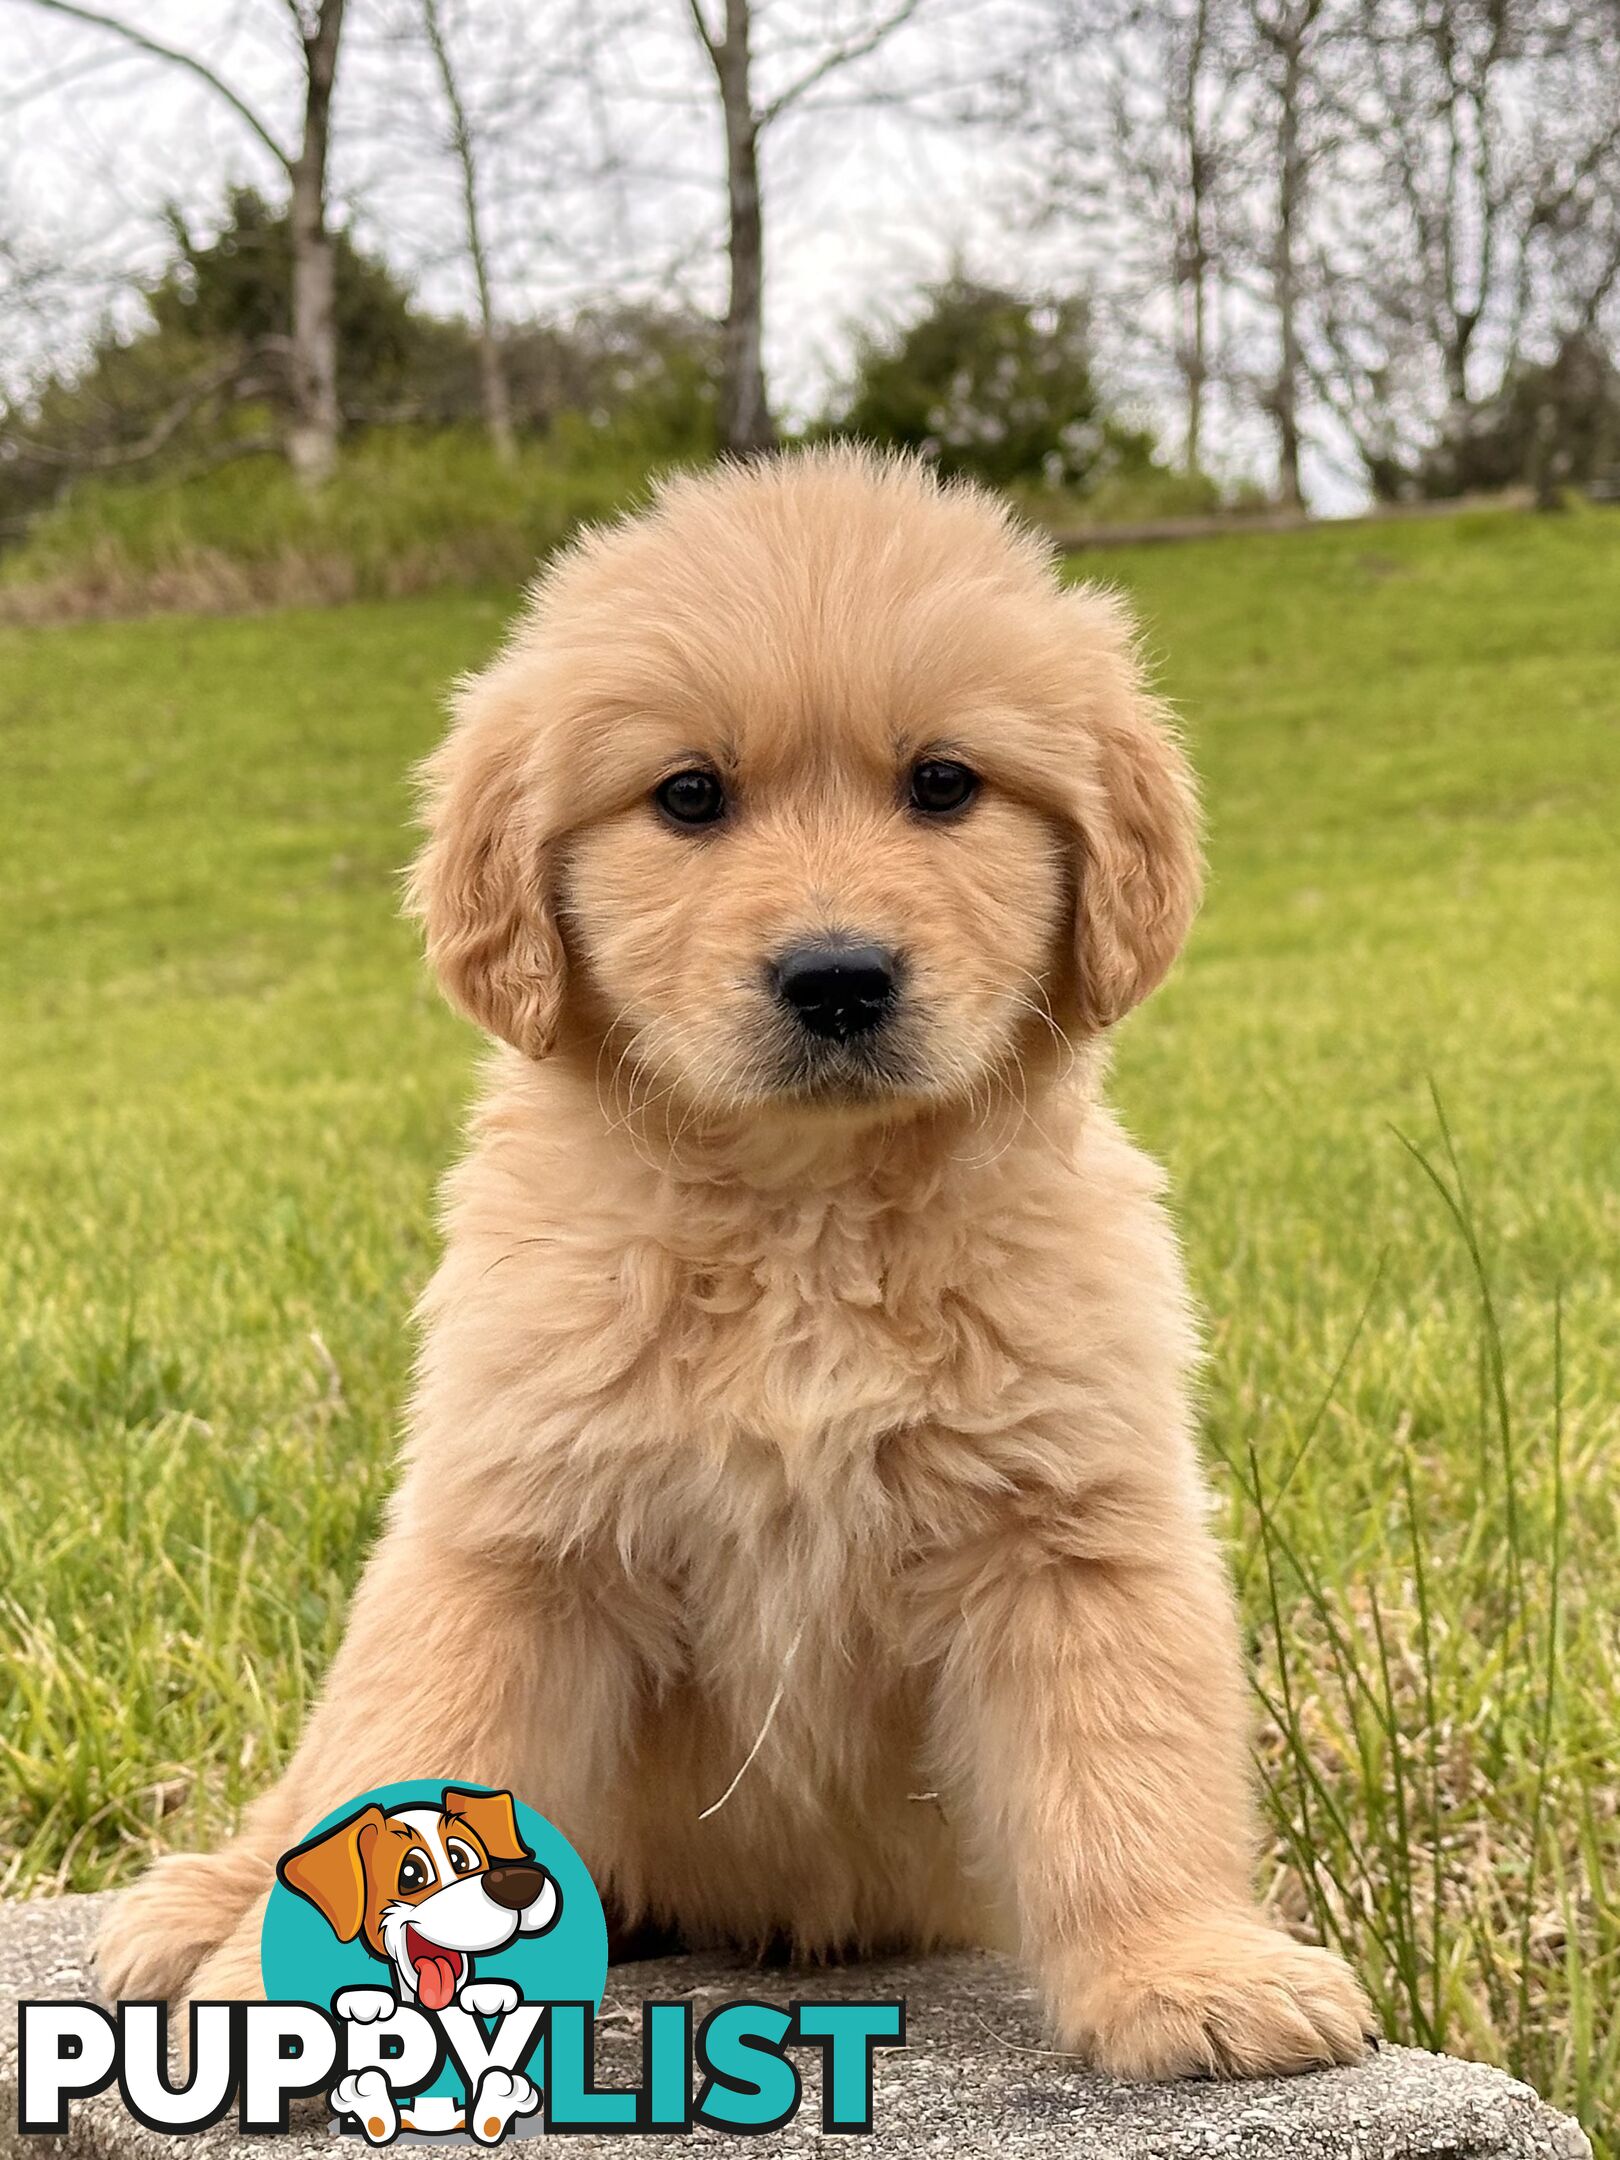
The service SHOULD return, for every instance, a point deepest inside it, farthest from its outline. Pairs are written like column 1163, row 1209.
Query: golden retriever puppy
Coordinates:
column 800, row 1504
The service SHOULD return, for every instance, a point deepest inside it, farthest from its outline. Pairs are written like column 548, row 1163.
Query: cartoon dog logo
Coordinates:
column 427, row 1890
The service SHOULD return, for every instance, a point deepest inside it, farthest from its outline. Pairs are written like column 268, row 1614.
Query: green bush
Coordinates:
column 993, row 386
column 202, row 381
column 408, row 510
column 234, row 293
column 1550, row 426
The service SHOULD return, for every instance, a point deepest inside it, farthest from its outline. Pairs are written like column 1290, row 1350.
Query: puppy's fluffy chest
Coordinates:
column 857, row 1336
column 827, row 1337
column 655, row 1365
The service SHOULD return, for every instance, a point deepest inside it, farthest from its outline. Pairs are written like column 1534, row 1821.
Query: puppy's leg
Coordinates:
column 232, row 1973
column 183, row 1908
column 1092, row 1709
column 455, row 1665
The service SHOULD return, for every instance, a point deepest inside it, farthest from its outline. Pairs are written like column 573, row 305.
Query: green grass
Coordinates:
column 226, row 1091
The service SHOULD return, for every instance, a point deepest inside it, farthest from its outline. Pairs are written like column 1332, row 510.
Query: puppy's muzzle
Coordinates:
column 514, row 1887
column 837, row 991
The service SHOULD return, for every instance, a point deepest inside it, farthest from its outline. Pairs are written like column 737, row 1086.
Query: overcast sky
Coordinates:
column 865, row 201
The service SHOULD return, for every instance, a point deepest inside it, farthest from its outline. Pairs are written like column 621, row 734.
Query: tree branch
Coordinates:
column 174, row 56
column 844, row 56
column 116, row 456
column 711, row 44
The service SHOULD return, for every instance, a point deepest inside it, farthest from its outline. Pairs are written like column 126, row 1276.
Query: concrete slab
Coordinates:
column 974, row 2079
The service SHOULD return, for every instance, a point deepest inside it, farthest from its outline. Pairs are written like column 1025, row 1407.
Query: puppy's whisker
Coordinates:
column 994, row 1082
column 627, row 1048
column 633, row 1110
column 1041, row 1010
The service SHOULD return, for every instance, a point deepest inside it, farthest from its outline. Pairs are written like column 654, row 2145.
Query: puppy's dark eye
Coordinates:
column 414, row 1873
column 941, row 785
column 691, row 798
column 462, row 1857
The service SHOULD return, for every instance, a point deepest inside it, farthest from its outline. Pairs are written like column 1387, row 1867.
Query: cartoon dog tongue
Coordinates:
column 436, row 1979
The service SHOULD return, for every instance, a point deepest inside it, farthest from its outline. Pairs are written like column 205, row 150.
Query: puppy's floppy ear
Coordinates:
column 479, row 884
column 493, row 1818
column 330, row 1870
column 1140, row 869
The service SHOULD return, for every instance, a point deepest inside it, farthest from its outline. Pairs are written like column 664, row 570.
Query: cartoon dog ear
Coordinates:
column 330, row 1870
column 1140, row 868
column 493, row 1820
column 479, row 885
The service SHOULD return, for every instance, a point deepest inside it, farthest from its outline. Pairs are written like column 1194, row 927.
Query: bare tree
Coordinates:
column 1483, row 229
column 745, row 414
column 312, row 434
column 730, row 46
column 1133, row 104
column 493, row 388
column 1286, row 34
column 1189, row 51
column 313, row 438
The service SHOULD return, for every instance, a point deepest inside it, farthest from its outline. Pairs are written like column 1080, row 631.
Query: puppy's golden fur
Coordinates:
column 825, row 1424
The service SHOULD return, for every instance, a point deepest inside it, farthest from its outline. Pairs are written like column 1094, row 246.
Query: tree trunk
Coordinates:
column 746, row 425
column 1546, row 466
column 1290, row 191
column 495, row 394
column 312, row 437
column 496, row 397
column 1195, row 373
column 1196, row 262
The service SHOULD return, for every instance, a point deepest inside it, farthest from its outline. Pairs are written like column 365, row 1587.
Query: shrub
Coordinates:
column 1552, row 425
column 202, row 379
column 992, row 385
column 409, row 509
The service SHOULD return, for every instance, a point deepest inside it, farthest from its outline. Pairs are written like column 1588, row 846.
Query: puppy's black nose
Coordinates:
column 837, row 991
column 514, row 1886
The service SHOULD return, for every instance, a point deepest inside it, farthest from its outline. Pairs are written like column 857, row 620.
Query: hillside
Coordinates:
column 227, row 1090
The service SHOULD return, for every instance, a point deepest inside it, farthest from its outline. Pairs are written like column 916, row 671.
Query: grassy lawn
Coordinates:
column 226, row 1090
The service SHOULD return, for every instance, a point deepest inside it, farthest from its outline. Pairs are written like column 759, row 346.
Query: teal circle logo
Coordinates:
column 426, row 1889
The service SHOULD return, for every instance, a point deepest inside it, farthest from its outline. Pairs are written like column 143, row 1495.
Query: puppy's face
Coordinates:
column 810, row 790
column 835, row 913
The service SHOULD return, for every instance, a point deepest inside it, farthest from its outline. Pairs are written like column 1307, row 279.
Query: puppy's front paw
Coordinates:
column 502, row 2095
column 489, row 1998
column 233, row 1973
column 364, row 2094
column 364, row 2005
column 160, row 1931
column 1232, row 1999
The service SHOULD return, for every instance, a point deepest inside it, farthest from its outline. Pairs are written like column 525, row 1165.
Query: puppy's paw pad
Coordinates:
column 364, row 2094
column 1235, row 2001
column 502, row 2096
column 489, row 1998
column 364, row 2005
